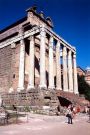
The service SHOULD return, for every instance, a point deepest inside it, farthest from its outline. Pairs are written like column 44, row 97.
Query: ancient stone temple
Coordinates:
column 33, row 56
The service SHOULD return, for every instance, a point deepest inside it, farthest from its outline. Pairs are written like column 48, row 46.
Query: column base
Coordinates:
column 57, row 88
column 76, row 93
column 51, row 87
column 71, row 91
column 43, row 87
column 30, row 87
column 66, row 90
column 19, row 89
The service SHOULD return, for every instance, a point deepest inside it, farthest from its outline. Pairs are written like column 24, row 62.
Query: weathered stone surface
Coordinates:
column 9, row 68
column 34, row 98
column 27, row 63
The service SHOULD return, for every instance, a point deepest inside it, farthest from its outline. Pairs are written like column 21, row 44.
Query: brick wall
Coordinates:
column 15, row 66
column 5, row 67
column 9, row 67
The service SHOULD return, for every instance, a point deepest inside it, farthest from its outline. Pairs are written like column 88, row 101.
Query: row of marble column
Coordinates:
column 69, row 69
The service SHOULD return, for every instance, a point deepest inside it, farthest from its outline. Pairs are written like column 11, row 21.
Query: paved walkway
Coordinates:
column 48, row 125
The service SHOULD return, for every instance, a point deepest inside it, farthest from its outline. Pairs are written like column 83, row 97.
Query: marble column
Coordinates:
column 31, row 72
column 58, row 67
column 51, row 73
column 75, row 74
column 70, row 75
column 42, row 58
column 21, row 65
column 0, row 101
column 65, row 79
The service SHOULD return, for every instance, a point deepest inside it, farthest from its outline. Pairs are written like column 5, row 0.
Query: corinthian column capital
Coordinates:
column 74, row 55
column 64, row 51
column 69, row 53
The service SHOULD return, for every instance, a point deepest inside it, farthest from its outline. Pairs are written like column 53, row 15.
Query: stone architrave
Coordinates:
column 58, row 67
column 65, row 78
column 31, row 72
column 42, row 58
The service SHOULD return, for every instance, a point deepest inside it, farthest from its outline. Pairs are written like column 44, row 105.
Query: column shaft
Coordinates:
column 51, row 74
column 21, row 65
column 58, row 67
column 42, row 58
column 65, row 79
column 75, row 74
column 70, row 75
column 31, row 72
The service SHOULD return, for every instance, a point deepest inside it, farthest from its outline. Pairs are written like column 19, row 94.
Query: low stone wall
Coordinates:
column 36, row 100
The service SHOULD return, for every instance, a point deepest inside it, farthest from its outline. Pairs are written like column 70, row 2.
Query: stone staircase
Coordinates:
column 43, row 100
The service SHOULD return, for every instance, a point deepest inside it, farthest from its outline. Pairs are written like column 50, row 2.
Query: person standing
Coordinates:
column 69, row 115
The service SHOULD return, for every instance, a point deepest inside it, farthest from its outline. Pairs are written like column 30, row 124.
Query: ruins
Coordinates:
column 35, row 62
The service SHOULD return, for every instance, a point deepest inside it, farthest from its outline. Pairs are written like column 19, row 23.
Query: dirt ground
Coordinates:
column 48, row 125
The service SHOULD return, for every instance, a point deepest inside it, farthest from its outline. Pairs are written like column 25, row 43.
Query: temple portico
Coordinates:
column 69, row 78
column 45, row 60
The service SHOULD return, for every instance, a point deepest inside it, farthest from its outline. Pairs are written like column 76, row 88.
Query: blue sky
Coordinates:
column 71, row 19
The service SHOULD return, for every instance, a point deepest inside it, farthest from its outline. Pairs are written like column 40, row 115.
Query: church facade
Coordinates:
column 33, row 56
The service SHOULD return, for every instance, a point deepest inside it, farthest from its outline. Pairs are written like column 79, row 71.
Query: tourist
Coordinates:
column 14, row 107
column 69, row 115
